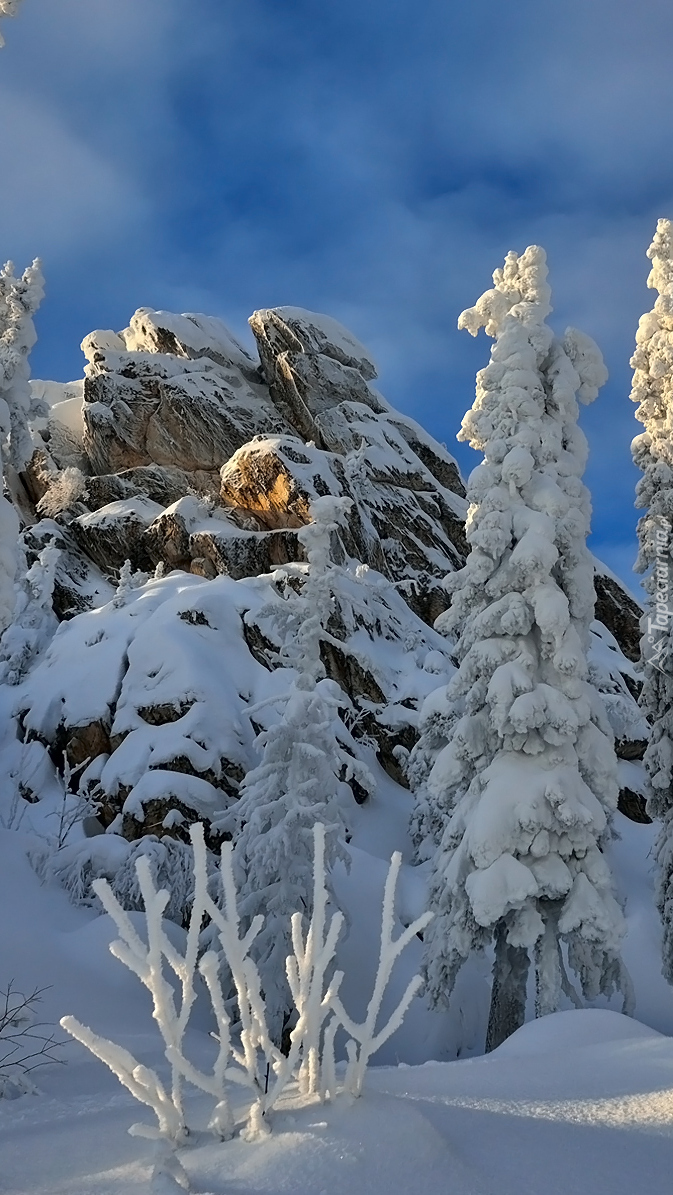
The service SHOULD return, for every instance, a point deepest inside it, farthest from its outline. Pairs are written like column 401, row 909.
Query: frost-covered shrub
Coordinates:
column 653, row 453
column 77, row 866
column 170, row 865
column 67, row 488
column 25, row 1042
column 34, row 623
column 528, row 778
column 246, row 1055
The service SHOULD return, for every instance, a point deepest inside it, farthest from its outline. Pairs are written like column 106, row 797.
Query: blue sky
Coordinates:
column 371, row 160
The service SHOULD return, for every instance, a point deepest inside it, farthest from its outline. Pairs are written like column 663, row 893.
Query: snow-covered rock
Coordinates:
column 174, row 407
column 114, row 533
column 618, row 611
column 161, row 677
column 79, row 584
column 390, row 461
column 163, row 484
column 169, row 408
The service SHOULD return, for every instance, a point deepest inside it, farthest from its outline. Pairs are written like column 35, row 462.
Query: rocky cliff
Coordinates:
column 196, row 463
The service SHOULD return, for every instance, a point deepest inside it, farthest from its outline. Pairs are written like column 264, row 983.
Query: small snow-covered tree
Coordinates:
column 34, row 622
column 528, row 779
column 19, row 300
column 296, row 784
column 436, row 719
column 652, row 451
column 293, row 787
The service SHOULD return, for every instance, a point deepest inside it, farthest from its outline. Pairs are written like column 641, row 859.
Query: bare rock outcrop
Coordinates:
column 79, row 585
column 114, row 533
column 166, row 539
column 206, row 461
column 407, row 487
column 209, row 542
column 163, row 484
column 273, row 481
column 238, row 554
column 174, row 405
column 618, row 611
column 409, row 534
column 189, row 406
column 634, row 806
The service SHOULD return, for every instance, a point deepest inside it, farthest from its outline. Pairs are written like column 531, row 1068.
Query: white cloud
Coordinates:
column 56, row 190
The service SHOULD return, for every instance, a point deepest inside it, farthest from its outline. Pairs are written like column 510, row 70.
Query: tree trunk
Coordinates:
column 508, row 994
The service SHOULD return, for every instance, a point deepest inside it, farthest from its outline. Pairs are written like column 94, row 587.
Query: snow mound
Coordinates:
column 573, row 1030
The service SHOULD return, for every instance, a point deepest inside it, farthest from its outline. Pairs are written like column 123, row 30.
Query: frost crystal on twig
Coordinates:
column 365, row 1033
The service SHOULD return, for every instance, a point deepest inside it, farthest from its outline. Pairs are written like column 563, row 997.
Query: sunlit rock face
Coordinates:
column 171, row 391
column 406, row 487
column 174, row 405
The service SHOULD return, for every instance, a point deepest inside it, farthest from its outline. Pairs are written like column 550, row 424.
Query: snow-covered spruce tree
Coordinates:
column 436, row 719
column 528, row 779
column 295, row 784
column 652, row 389
column 34, row 622
column 19, row 300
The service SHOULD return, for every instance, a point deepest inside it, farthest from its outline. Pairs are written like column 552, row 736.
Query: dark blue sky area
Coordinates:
column 371, row 160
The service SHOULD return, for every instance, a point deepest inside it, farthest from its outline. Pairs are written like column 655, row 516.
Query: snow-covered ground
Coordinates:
column 577, row 1102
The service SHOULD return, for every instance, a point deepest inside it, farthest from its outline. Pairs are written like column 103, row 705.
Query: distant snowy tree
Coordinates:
column 8, row 8
column 653, row 454
column 528, row 778
column 34, row 622
column 19, row 300
column 318, row 599
column 436, row 719
column 295, row 785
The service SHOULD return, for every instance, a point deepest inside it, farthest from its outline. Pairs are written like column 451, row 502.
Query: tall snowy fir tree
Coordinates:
column 528, row 779
column 653, row 453
column 19, row 300
column 296, row 783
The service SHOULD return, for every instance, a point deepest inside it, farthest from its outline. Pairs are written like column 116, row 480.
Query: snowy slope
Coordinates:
column 579, row 1102
column 153, row 692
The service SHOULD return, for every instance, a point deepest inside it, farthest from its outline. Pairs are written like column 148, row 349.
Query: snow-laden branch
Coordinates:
column 307, row 968
column 143, row 1083
column 246, row 1056
column 390, row 950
